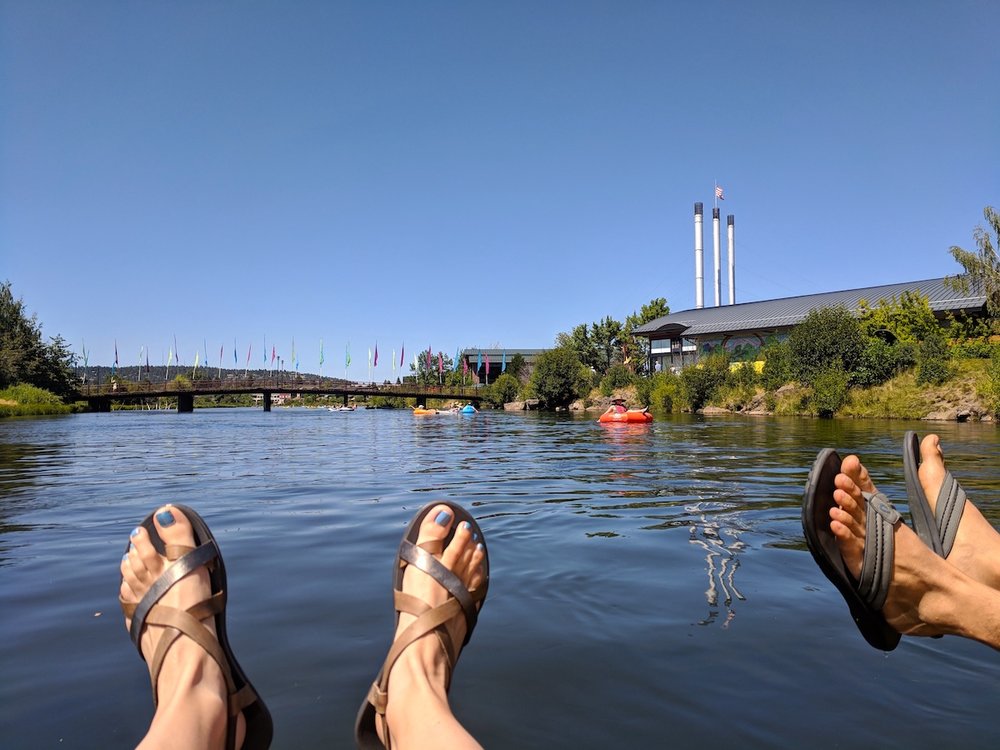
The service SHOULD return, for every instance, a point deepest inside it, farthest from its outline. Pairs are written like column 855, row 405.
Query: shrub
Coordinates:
column 618, row 376
column 932, row 361
column 881, row 361
column 992, row 393
column 777, row 365
column 559, row 378
column 23, row 393
column 827, row 338
column 829, row 391
column 502, row 391
column 703, row 381
column 661, row 391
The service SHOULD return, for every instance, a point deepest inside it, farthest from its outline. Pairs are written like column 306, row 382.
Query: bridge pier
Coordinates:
column 267, row 401
column 101, row 404
column 185, row 403
column 345, row 400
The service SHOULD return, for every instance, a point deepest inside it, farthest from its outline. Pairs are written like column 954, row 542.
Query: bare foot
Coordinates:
column 976, row 551
column 919, row 600
column 417, row 710
column 191, row 690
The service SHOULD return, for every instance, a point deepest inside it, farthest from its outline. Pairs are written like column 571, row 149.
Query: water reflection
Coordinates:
column 721, row 544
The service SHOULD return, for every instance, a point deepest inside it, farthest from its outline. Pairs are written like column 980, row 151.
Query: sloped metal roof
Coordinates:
column 790, row 311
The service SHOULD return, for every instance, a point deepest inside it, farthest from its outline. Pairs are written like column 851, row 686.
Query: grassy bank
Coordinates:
column 28, row 401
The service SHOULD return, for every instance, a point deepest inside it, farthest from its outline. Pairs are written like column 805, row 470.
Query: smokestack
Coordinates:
column 699, row 259
column 717, row 257
column 732, row 260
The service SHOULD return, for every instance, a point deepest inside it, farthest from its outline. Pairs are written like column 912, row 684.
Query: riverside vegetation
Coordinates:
column 891, row 359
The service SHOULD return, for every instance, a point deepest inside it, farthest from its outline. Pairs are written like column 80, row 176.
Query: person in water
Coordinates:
column 617, row 406
column 927, row 594
column 173, row 595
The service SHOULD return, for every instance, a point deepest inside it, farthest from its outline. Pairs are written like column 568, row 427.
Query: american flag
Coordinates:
column 718, row 193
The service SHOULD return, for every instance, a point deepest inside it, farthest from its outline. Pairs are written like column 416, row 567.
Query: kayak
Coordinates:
column 468, row 409
column 422, row 412
column 632, row 416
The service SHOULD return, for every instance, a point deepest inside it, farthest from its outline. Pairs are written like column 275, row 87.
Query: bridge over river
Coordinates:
column 100, row 397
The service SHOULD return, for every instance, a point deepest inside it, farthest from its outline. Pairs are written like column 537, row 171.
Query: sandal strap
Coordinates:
column 876, row 566
column 423, row 560
column 181, row 567
column 948, row 511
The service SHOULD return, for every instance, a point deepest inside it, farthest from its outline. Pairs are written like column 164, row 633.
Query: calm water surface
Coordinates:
column 650, row 584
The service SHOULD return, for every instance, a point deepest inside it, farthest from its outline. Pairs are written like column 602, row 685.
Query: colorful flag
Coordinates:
column 465, row 367
column 454, row 365
column 273, row 354
column 393, row 360
column 479, row 361
column 170, row 357
column 347, row 355
column 718, row 193
column 177, row 352
column 221, row 348
column 249, row 349
column 369, row 357
column 402, row 348
column 195, row 371
column 116, row 352
column 147, row 361
column 487, row 365
column 503, row 362
column 321, row 352
column 376, row 354
column 264, row 351
column 236, row 360
column 86, row 354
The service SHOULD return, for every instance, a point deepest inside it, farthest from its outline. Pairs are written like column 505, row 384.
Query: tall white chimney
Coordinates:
column 699, row 259
column 732, row 259
column 717, row 257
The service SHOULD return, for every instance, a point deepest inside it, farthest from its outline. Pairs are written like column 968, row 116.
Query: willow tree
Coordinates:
column 982, row 269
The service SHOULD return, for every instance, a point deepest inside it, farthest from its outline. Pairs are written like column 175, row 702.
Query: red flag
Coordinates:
column 376, row 354
column 465, row 367
column 273, row 355
column 440, row 363
column 487, row 365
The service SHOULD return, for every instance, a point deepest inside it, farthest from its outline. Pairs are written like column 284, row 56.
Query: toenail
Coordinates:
column 475, row 537
column 135, row 532
column 442, row 518
column 165, row 518
column 480, row 547
column 125, row 558
column 131, row 548
column 466, row 525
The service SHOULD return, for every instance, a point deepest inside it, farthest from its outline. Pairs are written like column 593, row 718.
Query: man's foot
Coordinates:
column 417, row 711
column 976, row 551
column 191, row 688
column 924, row 588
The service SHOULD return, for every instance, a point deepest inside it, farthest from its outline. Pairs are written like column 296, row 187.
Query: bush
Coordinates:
column 23, row 393
column 992, row 393
column 699, row 384
column 503, row 390
column 881, row 361
column 932, row 361
column 973, row 349
column 829, row 391
column 559, row 378
column 659, row 392
column 777, row 365
column 828, row 338
column 618, row 376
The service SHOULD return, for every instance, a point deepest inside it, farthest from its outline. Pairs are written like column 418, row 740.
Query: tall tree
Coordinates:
column 635, row 349
column 981, row 266
column 24, row 356
column 606, row 335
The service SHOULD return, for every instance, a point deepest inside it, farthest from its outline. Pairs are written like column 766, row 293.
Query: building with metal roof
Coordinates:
column 679, row 339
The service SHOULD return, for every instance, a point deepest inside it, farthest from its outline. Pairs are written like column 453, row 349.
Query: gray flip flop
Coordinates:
column 936, row 528
column 866, row 595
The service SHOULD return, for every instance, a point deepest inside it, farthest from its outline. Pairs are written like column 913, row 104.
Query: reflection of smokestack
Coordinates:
column 732, row 260
column 717, row 257
column 699, row 259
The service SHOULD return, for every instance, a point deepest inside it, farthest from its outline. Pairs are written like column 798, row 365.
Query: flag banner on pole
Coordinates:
column 249, row 350
column 454, row 365
column 487, row 365
column 170, row 357
column 393, row 360
column 205, row 344
column 177, row 352
column 147, row 361
column 221, row 348
column 503, row 362
column 321, row 352
column 194, row 372
column 416, row 364
column 347, row 355
column 369, row 357
column 479, row 361
column 264, row 351
column 718, row 193
column 274, row 354
column 236, row 360
column 376, row 354
column 116, row 352
column 465, row 367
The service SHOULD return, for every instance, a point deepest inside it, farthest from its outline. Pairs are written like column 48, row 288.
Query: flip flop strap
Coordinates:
column 876, row 565
column 181, row 567
column 948, row 511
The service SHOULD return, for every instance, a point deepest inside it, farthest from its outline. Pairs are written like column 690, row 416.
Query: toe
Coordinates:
column 173, row 526
column 932, row 470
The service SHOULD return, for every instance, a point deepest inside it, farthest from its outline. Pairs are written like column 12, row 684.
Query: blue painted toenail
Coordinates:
column 131, row 548
column 466, row 525
column 442, row 518
column 165, row 518
column 124, row 558
column 135, row 532
column 475, row 537
column 480, row 547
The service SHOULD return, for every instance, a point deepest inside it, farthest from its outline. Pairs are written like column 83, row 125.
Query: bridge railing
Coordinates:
column 283, row 384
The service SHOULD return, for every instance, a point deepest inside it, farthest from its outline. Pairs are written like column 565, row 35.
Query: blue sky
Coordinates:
column 471, row 174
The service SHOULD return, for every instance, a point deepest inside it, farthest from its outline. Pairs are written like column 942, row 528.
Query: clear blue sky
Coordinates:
column 472, row 174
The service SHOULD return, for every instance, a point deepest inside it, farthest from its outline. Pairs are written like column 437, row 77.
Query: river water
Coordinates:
column 650, row 585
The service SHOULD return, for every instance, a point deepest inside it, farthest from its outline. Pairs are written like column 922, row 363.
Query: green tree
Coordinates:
column 636, row 348
column 582, row 344
column 982, row 268
column 777, row 365
column 24, row 356
column 618, row 376
column 503, row 391
column 827, row 337
column 701, row 383
column 516, row 366
column 932, row 361
column 908, row 319
column 829, row 390
column 606, row 335
column 432, row 373
column 557, row 379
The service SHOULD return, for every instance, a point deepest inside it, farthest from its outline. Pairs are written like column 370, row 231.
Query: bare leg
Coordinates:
column 417, row 712
column 192, row 706
column 977, row 545
column 928, row 595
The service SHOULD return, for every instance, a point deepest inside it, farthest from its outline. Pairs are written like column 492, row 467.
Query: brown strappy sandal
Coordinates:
column 184, row 560
column 461, row 601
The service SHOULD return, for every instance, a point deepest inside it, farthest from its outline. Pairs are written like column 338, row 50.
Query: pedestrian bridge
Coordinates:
column 100, row 397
